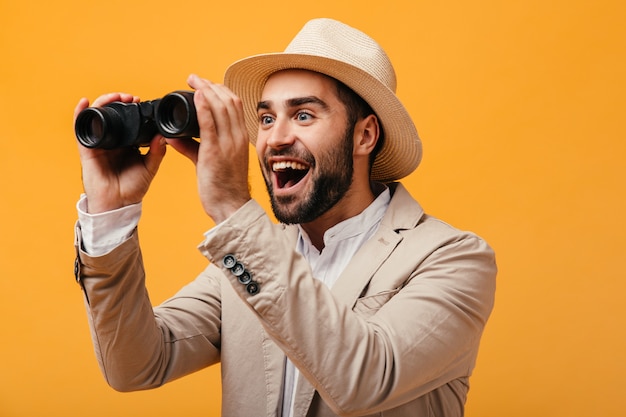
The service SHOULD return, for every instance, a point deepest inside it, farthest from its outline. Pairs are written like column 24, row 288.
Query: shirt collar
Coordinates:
column 365, row 222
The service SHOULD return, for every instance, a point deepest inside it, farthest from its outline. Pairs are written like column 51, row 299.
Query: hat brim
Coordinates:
column 402, row 150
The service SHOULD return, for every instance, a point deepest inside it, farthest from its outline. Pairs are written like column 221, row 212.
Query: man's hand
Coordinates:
column 221, row 157
column 116, row 178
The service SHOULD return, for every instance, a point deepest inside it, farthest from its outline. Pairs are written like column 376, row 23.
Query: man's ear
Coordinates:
column 366, row 135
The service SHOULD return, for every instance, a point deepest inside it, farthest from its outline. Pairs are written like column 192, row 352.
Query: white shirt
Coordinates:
column 102, row 232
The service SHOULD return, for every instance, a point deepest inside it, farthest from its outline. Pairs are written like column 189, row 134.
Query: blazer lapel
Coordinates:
column 366, row 262
column 403, row 213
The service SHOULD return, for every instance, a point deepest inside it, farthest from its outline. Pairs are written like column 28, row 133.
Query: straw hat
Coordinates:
column 350, row 56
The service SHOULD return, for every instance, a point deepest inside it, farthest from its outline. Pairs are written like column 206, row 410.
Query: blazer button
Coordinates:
column 229, row 261
column 253, row 288
column 77, row 269
column 238, row 269
column 244, row 278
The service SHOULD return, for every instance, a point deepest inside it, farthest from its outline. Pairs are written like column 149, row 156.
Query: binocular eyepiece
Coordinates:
column 120, row 124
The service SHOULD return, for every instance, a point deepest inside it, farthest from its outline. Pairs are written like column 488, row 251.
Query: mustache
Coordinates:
column 290, row 152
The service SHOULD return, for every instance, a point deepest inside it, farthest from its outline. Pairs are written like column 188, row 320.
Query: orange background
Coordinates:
column 520, row 105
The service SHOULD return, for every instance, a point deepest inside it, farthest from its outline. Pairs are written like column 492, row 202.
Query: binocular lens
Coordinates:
column 176, row 114
column 90, row 127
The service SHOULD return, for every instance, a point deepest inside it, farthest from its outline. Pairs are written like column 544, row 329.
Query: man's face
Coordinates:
column 304, row 145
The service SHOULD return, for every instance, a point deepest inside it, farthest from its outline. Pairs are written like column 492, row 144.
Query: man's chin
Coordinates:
column 285, row 211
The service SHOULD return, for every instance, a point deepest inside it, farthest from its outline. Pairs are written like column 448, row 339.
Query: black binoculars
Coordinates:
column 120, row 124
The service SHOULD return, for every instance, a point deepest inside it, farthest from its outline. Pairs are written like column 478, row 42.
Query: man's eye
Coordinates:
column 266, row 120
column 304, row 116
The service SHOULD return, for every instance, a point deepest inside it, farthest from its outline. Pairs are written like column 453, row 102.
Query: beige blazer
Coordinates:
column 397, row 335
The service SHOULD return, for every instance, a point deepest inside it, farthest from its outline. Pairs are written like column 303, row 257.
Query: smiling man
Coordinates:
column 307, row 151
column 356, row 303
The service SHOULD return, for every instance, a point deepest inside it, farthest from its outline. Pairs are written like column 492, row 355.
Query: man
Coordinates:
column 357, row 303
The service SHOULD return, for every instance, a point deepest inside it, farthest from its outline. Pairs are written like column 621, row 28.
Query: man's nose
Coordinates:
column 281, row 135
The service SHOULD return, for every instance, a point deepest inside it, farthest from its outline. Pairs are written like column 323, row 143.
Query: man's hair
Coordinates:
column 357, row 109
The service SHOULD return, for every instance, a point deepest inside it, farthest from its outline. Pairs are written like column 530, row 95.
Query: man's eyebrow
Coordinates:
column 298, row 101
column 295, row 102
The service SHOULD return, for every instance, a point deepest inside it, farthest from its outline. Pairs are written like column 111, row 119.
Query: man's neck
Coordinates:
column 353, row 203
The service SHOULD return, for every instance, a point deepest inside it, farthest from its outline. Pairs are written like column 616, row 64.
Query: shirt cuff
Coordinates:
column 103, row 232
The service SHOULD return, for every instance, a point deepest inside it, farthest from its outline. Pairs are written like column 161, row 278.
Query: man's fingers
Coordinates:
column 111, row 97
column 187, row 147
column 155, row 155
column 82, row 104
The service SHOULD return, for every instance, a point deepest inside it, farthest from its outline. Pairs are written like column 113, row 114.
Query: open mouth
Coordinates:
column 288, row 173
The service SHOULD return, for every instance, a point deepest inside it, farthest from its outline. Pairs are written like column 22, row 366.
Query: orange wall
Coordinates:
column 520, row 105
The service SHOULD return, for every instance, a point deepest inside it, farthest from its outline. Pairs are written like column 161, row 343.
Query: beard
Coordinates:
column 332, row 179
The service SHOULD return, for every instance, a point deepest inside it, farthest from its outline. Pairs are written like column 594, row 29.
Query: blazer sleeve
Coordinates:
column 139, row 347
column 389, row 348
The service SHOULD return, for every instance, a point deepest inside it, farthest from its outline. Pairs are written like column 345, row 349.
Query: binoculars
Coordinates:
column 118, row 124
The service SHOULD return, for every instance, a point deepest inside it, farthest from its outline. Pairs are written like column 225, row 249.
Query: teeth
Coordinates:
column 277, row 166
